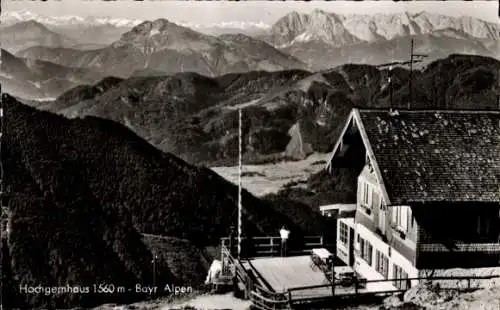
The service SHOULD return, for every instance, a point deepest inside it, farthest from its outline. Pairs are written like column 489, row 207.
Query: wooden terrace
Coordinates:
column 272, row 282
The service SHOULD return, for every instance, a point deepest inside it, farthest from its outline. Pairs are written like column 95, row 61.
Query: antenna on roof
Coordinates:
column 404, row 63
column 410, row 102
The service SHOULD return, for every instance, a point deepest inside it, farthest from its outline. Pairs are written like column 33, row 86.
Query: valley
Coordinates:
column 271, row 178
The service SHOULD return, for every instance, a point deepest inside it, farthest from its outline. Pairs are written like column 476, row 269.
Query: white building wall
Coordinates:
column 394, row 258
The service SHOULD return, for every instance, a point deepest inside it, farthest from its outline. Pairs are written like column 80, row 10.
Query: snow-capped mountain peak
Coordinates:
column 338, row 29
column 12, row 17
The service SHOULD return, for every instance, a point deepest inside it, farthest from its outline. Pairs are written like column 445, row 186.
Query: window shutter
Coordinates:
column 360, row 191
column 375, row 199
column 369, row 195
column 408, row 219
column 366, row 194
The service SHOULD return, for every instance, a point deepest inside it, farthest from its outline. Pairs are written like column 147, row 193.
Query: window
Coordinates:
column 367, row 195
column 366, row 251
column 365, row 201
column 399, row 273
column 401, row 216
column 382, row 264
column 343, row 233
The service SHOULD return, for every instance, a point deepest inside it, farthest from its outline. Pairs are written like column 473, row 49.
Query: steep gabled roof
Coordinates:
column 424, row 156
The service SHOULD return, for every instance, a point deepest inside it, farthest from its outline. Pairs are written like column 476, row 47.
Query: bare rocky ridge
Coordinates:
column 321, row 25
column 323, row 39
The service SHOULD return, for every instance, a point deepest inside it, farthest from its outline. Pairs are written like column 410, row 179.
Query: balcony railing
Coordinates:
column 460, row 247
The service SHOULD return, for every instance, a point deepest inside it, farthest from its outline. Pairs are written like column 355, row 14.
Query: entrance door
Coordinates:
column 351, row 246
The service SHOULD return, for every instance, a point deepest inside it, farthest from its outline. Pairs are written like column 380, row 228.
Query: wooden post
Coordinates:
column 222, row 260
column 272, row 246
column 333, row 275
column 231, row 234
column 222, row 252
column 356, row 285
column 248, row 287
column 468, row 283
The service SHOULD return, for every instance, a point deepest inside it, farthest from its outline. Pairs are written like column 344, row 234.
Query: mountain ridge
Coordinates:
column 323, row 40
column 34, row 79
column 168, row 47
column 373, row 27
column 166, row 111
column 29, row 33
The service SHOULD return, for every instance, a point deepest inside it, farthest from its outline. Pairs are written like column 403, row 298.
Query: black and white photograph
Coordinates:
column 267, row 155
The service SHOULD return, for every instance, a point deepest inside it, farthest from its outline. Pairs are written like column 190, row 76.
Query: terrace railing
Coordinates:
column 327, row 291
column 266, row 299
column 271, row 245
column 261, row 297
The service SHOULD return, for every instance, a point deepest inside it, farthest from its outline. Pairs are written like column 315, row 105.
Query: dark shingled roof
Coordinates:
column 436, row 155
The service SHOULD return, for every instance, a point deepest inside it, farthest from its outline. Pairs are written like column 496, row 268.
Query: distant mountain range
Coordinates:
column 12, row 17
column 339, row 30
column 63, row 23
column 313, row 42
column 77, row 32
column 168, row 47
column 323, row 39
column 31, row 33
column 288, row 114
column 33, row 79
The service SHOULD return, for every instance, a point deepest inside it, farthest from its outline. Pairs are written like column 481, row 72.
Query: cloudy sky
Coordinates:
column 210, row 12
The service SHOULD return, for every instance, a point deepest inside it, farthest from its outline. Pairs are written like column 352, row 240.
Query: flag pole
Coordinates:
column 239, row 180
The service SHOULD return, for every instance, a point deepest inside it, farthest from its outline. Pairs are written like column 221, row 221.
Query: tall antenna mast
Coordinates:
column 390, row 85
column 498, row 90
column 404, row 63
column 411, row 75
column 412, row 55
column 239, row 180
